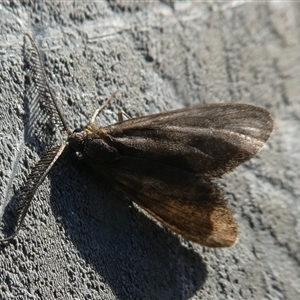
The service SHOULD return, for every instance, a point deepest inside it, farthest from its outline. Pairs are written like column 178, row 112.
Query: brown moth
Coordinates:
column 166, row 163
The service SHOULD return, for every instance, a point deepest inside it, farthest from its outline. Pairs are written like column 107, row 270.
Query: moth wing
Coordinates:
column 207, row 139
column 188, row 204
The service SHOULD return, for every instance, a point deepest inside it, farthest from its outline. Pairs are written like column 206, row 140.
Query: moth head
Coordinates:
column 77, row 138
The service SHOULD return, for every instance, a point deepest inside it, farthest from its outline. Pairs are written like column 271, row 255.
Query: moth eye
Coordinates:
column 78, row 130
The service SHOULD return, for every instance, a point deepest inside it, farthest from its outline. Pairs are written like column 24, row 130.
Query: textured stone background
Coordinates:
column 81, row 239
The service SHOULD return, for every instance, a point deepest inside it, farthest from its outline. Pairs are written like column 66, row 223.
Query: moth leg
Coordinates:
column 120, row 116
column 97, row 111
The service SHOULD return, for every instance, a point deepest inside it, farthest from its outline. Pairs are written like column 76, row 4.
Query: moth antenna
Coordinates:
column 41, row 95
column 34, row 180
column 97, row 111
column 42, row 87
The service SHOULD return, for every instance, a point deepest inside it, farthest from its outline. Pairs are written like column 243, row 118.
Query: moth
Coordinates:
column 166, row 163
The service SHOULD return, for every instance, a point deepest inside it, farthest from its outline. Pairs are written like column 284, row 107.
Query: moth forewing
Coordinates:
column 186, row 203
column 194, row 139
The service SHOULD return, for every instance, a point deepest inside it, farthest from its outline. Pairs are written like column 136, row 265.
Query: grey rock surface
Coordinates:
column 82, row 239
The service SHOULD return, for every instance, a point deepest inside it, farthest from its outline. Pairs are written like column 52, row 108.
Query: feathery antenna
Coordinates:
column 40, row 94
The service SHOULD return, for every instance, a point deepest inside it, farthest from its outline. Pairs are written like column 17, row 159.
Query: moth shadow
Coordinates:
column 137, row 258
